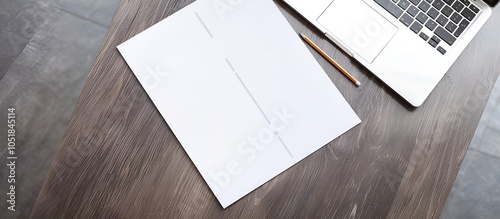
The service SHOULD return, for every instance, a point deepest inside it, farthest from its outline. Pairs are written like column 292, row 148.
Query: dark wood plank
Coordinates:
column 465, row 91
column 119, row 158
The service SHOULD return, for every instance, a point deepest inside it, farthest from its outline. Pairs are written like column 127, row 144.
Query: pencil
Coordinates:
column 333, row 62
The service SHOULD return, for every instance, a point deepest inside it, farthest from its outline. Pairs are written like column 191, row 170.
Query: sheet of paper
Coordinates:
column 239, row 89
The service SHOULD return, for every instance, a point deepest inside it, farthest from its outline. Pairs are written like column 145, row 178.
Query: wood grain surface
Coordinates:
column 119, row 159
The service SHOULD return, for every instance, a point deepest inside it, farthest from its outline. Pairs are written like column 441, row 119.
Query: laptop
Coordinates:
column 408, row 44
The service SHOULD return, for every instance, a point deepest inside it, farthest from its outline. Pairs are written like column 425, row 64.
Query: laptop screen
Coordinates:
column 491, row 3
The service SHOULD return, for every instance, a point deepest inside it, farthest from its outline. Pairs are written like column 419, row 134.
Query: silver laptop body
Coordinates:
column 396, row 42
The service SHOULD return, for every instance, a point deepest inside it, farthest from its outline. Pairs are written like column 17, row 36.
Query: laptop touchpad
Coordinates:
column 358, row 26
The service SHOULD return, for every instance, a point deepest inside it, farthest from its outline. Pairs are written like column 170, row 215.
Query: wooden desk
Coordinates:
column 119, row 159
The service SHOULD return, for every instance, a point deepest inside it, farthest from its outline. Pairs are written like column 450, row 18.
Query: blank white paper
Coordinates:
column 239, row 89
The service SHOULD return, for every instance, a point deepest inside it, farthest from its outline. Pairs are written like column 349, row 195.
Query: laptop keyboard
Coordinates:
column 446, row 19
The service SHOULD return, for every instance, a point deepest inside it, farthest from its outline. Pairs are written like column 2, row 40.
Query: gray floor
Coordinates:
column 476, row 192
column 47, row 48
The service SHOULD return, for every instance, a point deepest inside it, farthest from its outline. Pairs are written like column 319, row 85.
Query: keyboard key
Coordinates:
column 436, row 39
column 430, row 1
column 432, row 43
column 431, row 25
column 438, row 4
column 458, row 6
column 424, row 36
column 441, row 50
column 465, row 2
column 455, row 18
column 416, row 27
column 443, row 34
column 442, row 20
column 468, row 14
column 415, row 2
column 424, row 6
column 404, row 4
column 464, row 23
column 449, row 2
column 390, row 7
column 413, row 11
column 461, row 28
column 474, row 8
column 451, row 27
column 406, row 19
column 447, row 11
column 422, row 18
column 433, row 13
